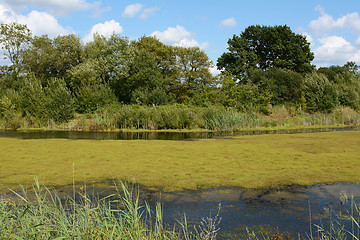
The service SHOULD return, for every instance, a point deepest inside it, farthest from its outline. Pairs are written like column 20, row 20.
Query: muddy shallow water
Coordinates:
column 286, row 209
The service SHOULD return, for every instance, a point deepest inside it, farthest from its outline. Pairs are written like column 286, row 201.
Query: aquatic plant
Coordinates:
column 42, row 214
column 342, row 221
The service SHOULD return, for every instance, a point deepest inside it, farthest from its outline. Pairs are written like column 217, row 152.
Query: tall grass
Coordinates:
column 343, row 225
column 177, row 116
column 44, row 215
column 213, row 118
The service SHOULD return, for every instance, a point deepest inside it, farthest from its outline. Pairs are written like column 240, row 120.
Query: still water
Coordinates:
column 287, row 209
column 116, row 135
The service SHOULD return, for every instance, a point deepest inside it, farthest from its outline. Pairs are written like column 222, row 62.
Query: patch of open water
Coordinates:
column 286, row 209
column 117, row 135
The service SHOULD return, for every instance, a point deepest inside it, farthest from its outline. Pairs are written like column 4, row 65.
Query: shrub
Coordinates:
column 41, row 104
column 91, row 97
column 320, row 93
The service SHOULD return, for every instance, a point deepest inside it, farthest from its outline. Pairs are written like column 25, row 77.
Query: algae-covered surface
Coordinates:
column 244, row 161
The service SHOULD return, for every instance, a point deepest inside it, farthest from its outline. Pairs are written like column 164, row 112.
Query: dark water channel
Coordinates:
column 287, row 209
column 117, row 135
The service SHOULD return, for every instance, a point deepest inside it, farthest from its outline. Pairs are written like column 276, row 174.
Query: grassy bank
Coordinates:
column 246, row 161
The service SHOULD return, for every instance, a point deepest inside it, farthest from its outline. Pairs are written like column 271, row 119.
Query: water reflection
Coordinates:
column 117, row 135
column 286, row 209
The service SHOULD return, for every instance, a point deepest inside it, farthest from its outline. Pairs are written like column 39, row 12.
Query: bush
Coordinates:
column 60, row 104
column 42, row 104
column 285, row 85
column 320, row 94
column 91, row 97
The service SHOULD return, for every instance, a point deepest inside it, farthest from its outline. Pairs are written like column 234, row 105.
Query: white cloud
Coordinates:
column 105, row 29
column 335, row 50
column 131, row 10
column 308, row 37
column 148, row 12
column 229, row 23
column 43, row 23
column 38, row 22
column 357, row 42
column 179, row 36
column 57, row 7
column 327, row 23
column 173, row 35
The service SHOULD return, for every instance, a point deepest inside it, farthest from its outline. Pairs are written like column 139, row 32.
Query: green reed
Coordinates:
column 44, row 215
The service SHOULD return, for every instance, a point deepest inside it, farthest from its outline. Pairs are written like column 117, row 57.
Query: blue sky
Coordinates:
column 332, row 27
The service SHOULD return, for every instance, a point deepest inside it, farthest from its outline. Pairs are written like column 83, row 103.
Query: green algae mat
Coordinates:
column 244, row 161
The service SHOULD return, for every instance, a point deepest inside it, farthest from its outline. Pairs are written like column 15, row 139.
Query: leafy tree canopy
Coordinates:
column 264, row 47
column 14, row 38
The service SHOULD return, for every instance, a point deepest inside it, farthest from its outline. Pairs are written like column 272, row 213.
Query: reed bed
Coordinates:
column 214, row 118
column 42, row 214
column 186, row 117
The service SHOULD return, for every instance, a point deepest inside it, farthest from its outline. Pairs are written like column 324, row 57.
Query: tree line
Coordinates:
column 263, row 67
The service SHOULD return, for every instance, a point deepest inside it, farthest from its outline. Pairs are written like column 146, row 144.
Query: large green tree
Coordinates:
column 264, row 47
column 14, row 38
column 193, row 72
column 47, row 58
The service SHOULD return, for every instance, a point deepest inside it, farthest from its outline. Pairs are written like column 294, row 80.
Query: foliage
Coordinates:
column 192, row 72
column 264, row 47
column 44, row 103
column 266, row 67
column 283, row 84
column 347, row 82
column 320, row 93
column 91, row 97
column 14, row 38
column 47, row 58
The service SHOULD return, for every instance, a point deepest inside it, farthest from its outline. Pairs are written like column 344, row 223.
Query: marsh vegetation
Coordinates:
column 245, row 161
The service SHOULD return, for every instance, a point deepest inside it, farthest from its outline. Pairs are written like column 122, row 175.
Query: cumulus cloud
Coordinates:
column 57, row 7
column 148, row 12
column 173, row 35
column 335, row 50
column 229, row 23
column 131, row 10
column 38, row 22
column 105, row 29
column 179, row 36
column 332, row 48
column 326, row 23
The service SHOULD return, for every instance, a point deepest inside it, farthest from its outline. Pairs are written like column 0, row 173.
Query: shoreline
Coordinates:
column 196, row 130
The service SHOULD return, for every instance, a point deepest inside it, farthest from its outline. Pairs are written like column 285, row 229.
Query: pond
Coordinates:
column 116, row 135
column 287, row 209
